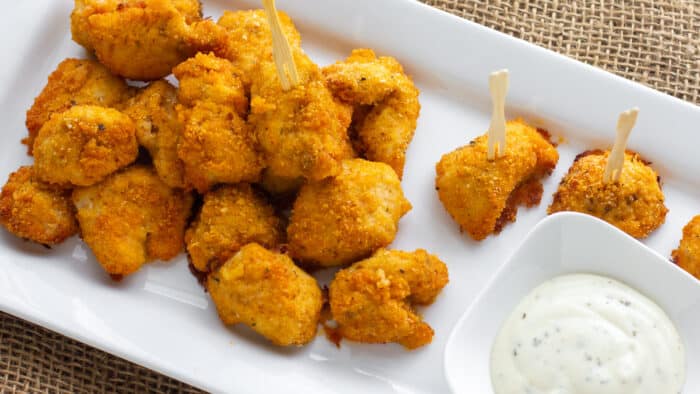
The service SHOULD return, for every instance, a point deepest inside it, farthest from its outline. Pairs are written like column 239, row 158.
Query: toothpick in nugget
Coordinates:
column 282, row 52
column 613, row 168
column 498, row 85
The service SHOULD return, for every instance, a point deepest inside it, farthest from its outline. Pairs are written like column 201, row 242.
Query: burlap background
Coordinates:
column 655, row 42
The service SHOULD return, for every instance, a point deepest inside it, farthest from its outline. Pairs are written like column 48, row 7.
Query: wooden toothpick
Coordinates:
column 616, row 159
column 498, row 85
column 282, row 52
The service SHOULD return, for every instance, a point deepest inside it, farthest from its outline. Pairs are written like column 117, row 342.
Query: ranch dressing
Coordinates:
column 587, row 334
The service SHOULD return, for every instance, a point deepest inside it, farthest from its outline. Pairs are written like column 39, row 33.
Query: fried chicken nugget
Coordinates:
column 209, row 78
column 84, row 145
column 136, row 39
column 303, row 131
column 32, row 209
column 482, row 196
column 267, row 292
column 231, row 217
column 132, row 218
column 74, row 82
column 248, row 40
column 159, row 130
column 687, row 256
column 387, row 129
column 635, row 204
column 217, row 145
column 371, row 301
column 343, row 219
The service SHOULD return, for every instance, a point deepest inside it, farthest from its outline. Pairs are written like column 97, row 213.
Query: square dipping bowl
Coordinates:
column 568, row 243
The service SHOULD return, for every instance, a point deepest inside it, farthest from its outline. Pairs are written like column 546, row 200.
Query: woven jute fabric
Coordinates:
column 655, row 42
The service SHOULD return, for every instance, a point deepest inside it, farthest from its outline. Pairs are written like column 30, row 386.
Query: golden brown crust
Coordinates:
column 231, row 217
column 217, row 145
column 482, row 195
column 267, row 292
column 687, row 256
column 132, row 218
column 371, row 301
column 635, row 204
column 136, row 39
column 303, row 131
column 84, row 145
column 159, row 130
column 35, row 210
column 528, row 194
column 206, row 77
column 244, row 38
column 343, row 219
column 74, row 82
column 387, row 129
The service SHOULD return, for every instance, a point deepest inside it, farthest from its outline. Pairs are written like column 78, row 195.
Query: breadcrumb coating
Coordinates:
column 387, row 129
column 206, row 77
column 136, row 39
column 267, row 292
column 343, row 219
column 687, row 256
column 83, row 145
column 634, row 204
column 74, row 82
column 217, row 145
column 244, row 38
column 303, row 131
column 231, row 217
column 372, row 300
column 132, row 218
column 482, row 195
column 159, row 130
column 37, row 211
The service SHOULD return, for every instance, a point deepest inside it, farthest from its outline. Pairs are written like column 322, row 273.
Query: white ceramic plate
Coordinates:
column 568, row 243
column 162, row 319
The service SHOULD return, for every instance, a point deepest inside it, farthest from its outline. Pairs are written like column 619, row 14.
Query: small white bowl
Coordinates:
column 567, row 243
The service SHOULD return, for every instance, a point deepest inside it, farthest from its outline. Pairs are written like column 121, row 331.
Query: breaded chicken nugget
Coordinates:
column 231, row 217
column 83, row 145
column 35, row 210
column 159, row 130
column 74, row 82
column 634, row 204
column 132, row 218
column 267, row 292
column 217, row 145
column 209, row 78
column 482, row 196
column 343, row 219
column 371, row 301
column 364, row 79
column 302, row 131
column 244, row 38
column 136, row 39
column 687, row 256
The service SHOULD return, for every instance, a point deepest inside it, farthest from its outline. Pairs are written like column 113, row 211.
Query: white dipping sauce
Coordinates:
column 587, row 334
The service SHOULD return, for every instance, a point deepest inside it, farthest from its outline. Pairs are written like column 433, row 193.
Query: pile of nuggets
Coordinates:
column 215, row 164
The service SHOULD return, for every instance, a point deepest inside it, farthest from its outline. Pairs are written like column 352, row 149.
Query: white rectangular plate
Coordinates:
column 162, row 319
